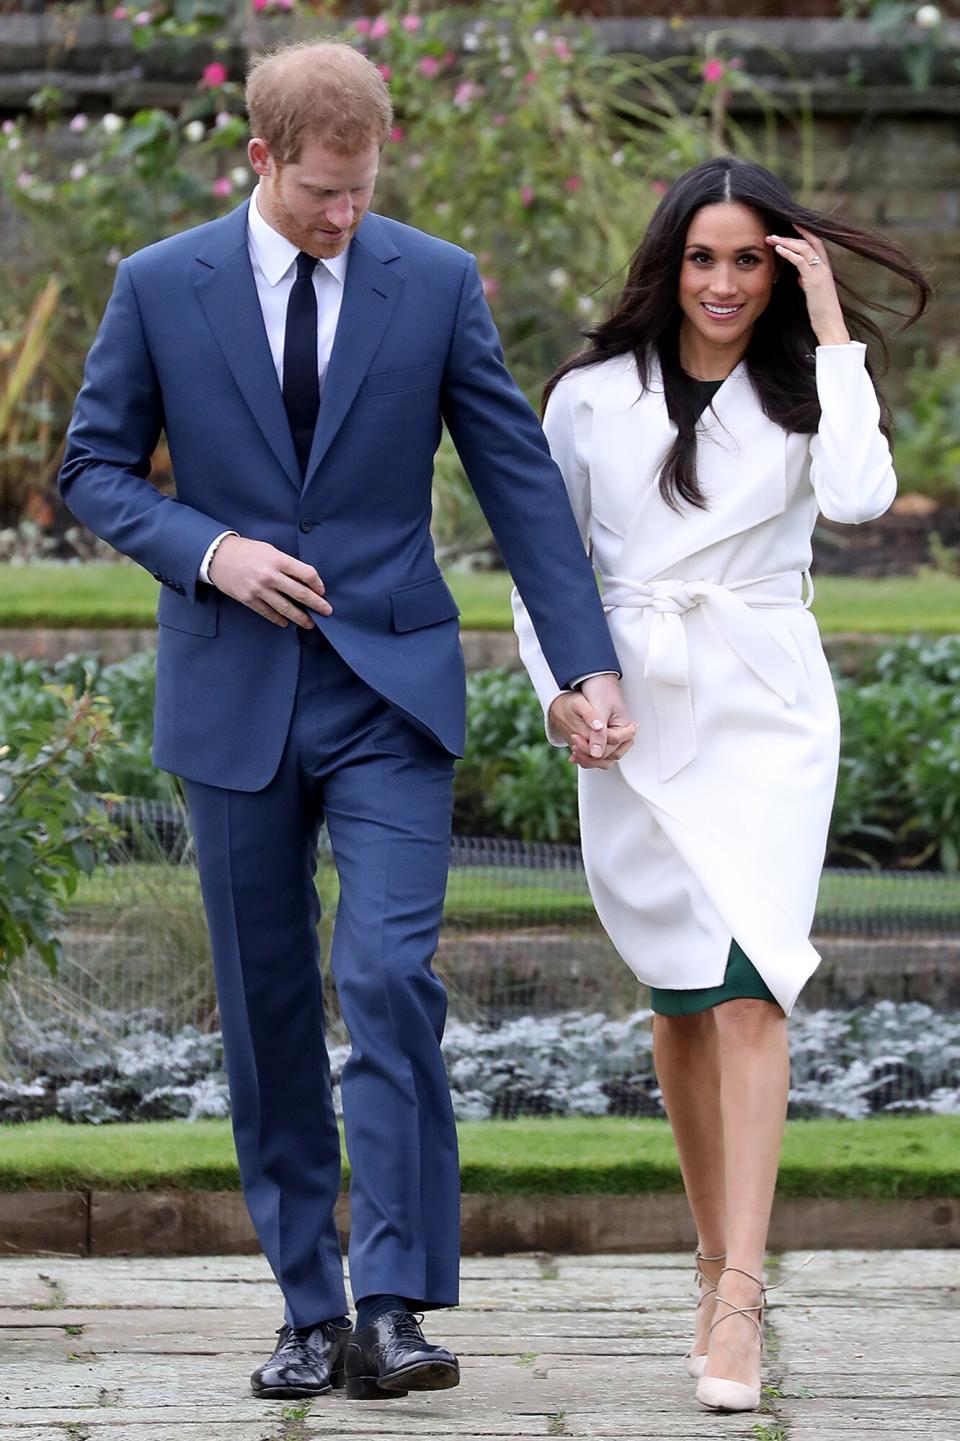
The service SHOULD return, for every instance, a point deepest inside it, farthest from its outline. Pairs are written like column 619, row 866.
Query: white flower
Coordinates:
column 928, row 17
column 240, row 176
column 540, row 37
column 468, row 232
column 223, row 119
column 112, row 123
column 470, row 41
column 558, row 279
column 78, row 124
column 617, row 157
column 195, row 131
column 78, row 171
column 114, row 255
column 585, row 306
column 14, row 143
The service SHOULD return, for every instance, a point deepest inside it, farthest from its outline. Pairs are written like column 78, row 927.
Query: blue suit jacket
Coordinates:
column 182, row 348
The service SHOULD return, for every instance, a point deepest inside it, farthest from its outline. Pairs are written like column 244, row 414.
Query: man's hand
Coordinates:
column 594, row 723
column 270, row 582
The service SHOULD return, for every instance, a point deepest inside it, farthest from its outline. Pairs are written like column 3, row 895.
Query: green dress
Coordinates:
column 742, row 979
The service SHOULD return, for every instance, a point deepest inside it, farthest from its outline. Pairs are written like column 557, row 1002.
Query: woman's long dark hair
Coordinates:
column 646, row 319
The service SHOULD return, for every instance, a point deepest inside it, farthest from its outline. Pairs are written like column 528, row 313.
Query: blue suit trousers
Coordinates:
column 385, row 791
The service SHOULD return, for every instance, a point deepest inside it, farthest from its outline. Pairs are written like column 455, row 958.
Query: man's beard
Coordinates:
column 310, row 239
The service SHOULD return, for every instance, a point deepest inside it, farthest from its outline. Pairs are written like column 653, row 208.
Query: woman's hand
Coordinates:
column 812, row 263
column 574, row 719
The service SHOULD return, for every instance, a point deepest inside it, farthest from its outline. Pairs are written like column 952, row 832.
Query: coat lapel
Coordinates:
column 371, row 291
column 227, row 292
column 741, row 466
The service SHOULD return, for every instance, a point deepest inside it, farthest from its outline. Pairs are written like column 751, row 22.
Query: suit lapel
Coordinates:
column 227, row 292
column 370, row 294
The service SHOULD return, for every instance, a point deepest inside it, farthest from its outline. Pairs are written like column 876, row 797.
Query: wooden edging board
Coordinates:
column 189, row 1223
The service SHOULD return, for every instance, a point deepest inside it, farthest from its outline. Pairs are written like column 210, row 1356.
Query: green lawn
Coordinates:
column 501, row 895
column 99, row 595
column 884, row 1158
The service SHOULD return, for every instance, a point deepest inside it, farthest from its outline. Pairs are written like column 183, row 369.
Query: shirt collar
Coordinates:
column 275, row 254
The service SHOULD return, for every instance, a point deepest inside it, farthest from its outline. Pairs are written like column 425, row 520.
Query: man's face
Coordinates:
column 318, row 201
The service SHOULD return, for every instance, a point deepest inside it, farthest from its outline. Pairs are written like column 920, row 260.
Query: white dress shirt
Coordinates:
column 273, row 259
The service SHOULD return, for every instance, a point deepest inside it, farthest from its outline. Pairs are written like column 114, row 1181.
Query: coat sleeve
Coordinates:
column 558, row 425
column 518, row 485
column 116, row 424
column 851, row 470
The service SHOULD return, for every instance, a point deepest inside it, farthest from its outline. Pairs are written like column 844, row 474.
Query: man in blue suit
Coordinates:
column 301, row 355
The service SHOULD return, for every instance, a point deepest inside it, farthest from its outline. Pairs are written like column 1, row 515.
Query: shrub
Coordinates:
column 51, row 830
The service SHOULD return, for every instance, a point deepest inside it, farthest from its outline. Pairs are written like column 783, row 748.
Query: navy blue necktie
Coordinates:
column 301, row 382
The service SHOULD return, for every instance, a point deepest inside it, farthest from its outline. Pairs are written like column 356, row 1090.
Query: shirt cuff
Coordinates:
column 210, row 553
column 579, row 680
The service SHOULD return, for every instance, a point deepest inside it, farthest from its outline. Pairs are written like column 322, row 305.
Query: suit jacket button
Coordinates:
column 306, row 526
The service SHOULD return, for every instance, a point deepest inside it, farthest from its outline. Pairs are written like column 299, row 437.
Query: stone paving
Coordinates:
column 860, row 1345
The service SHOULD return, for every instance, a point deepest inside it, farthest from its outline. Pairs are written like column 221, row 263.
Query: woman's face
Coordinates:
column 727, row 274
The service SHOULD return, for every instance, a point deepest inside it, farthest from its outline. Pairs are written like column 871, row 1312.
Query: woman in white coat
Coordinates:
column 725, row 402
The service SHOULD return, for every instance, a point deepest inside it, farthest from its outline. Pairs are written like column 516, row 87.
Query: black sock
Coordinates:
column 370, row 1308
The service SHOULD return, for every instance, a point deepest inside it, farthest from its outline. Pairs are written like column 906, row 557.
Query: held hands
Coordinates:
column 270, row 582
column 593, row 722
column 812, row 263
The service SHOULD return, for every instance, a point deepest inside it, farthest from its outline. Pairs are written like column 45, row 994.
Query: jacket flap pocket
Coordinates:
column 393, row 382
column 195, row 617
column 426, row 603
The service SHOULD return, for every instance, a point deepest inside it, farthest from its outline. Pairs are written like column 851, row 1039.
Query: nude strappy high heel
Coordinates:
column 695, row 1365
column 715, row 1392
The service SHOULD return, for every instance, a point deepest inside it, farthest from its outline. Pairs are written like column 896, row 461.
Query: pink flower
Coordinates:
column 8, row 127
column 660, row 187
column 530, row 78
column 572, row 183
column 114, row 255
column 379, row 28
column 362, row 26
column 24, row 180
column 429, row 66
column 222, row 186
column 526, row 196
column 498, row 120
column 465, row 92
column 78, row 124
column 735, row 64
column 259, row 5
column 283, row 4
column 143, row 17
column 398, row 134
column 562, row 50
column 491, row 286
column 713, row 71
column 385, row 72
column 214, row 74
column 411, row 23
column 449, row 59
column 120, row 13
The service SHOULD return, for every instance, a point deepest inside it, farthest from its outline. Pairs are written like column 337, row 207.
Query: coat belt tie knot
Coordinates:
column 731, row 609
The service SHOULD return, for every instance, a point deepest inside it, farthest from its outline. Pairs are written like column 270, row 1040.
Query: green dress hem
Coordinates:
column 742, row 981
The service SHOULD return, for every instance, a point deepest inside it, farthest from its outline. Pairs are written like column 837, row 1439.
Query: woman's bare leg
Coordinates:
column 686, row 1054
column 754, row 1082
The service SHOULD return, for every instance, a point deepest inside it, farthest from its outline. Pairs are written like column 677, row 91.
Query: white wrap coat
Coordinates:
column 714, row 824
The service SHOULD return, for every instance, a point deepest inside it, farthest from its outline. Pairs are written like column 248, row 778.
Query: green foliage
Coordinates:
column 512, row 781
column 928, row 430
column 51, row 830
column 30, row 694
column 898, row 793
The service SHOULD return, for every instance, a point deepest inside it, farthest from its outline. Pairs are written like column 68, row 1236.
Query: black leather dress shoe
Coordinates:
column 392, row 1357
column 308, row 1361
